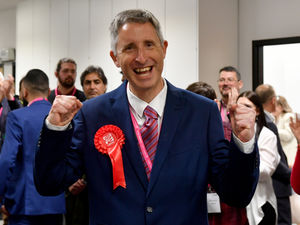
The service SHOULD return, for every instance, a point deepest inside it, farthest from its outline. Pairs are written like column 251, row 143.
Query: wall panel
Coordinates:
column 41, row 36
column 182, row 34
column 59, row 35
column 24, row 40
column 79, row 34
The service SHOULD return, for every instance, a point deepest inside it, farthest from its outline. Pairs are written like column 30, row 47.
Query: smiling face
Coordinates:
column 227, row 81
column 140, row 55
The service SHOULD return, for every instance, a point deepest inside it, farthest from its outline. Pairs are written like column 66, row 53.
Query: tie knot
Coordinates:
column 150, row 113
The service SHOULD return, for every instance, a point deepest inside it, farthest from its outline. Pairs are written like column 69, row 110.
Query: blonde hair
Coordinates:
column 284, row 104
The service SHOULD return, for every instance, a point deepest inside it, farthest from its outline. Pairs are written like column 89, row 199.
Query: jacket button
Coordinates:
column 149, row 209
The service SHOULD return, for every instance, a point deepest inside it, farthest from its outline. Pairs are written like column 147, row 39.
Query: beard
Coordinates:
column 67, row 82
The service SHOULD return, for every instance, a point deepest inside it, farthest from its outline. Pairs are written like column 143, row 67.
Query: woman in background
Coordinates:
column 262, row 209
column 288, row 141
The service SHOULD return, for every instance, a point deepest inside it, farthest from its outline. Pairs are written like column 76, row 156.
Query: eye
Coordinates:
column 128, row 48
column 149, row 44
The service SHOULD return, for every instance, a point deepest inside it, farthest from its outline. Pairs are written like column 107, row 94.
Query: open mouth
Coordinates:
column 143, row 70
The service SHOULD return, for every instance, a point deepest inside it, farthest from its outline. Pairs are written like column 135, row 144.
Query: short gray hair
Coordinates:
column 132, row 16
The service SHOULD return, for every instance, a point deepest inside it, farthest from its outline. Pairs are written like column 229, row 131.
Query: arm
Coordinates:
column 269, row 157
column 56, row 162
column 231, row 169
column 10, row 149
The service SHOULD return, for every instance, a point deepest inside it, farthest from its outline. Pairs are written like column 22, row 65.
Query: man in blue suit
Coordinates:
column 127, row 185
column 20, row 197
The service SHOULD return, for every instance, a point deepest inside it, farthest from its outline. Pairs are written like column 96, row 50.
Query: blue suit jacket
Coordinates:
column 16, row 162
column 191, row 152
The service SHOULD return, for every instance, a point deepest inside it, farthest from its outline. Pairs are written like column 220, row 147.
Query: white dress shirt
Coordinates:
column 269, row 159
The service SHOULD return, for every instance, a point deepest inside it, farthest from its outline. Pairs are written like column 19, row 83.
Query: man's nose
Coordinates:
column 141, row 55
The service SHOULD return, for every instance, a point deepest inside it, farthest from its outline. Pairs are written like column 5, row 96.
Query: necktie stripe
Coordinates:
column 149, row 133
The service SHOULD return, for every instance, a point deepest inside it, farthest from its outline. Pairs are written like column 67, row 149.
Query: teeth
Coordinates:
column 141, row 70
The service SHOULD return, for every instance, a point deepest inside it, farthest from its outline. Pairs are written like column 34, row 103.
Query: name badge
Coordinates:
column 213, row 203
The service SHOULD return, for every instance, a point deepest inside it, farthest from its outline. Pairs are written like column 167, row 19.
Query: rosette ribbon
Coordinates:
column 109, row 140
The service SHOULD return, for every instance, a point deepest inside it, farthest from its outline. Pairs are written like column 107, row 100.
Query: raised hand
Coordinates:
column 295, row 127
column 63, row 110
column 8, row 85
column 242, row 117
column 232, row 97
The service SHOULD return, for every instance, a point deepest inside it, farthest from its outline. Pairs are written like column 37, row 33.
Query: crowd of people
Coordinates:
column 147, row 152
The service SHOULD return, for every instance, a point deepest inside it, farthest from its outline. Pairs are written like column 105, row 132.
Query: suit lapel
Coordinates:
column 121, row 115
column 173, row 111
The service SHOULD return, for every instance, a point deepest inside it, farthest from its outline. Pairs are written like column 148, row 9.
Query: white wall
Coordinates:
column 218, row 38
column 8, row 28
column 264, row 19
column 51, row 29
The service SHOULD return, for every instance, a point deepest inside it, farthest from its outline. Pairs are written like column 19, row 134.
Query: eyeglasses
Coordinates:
column 229, row 80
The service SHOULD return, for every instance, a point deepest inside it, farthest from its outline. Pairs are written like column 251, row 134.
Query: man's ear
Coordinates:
column 25, row 93
column 114, row 58
column 241, row 84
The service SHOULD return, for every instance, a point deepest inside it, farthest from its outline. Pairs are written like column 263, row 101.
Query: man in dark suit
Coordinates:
column 128, row 183
column 20, row 197
column 282, row 174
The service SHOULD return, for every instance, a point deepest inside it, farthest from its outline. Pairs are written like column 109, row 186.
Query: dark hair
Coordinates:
column 260, row 119
column 93, row 69
column 36, row 81
column 64, row 60
column 231, row 69
column 132, row 16
column 202, row 88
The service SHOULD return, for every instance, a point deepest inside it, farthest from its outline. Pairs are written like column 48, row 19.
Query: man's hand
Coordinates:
column 242, row 121
column 295, row 127
column 63, row 110
column 77, row 187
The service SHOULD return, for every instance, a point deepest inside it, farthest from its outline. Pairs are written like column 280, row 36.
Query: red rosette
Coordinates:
column 109, row 140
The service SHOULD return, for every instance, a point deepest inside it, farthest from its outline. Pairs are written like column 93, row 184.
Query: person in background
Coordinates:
column 288, row 141
column 281, row 176
column 20, row 198
column 8, row 102
column 93, row 81
column 229, row 84
column 262, row 209
column 148, row 148
column 202, row 88
column 66, row 75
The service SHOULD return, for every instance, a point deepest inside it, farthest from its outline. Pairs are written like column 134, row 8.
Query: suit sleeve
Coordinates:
column 58, row 161
column 11, row 147
column 233, row 174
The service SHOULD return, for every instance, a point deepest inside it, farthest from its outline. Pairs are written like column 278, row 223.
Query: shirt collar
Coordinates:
column 270, row 115
column 158, row 103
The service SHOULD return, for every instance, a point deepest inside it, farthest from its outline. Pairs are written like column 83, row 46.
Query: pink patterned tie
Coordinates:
column 149, row 133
